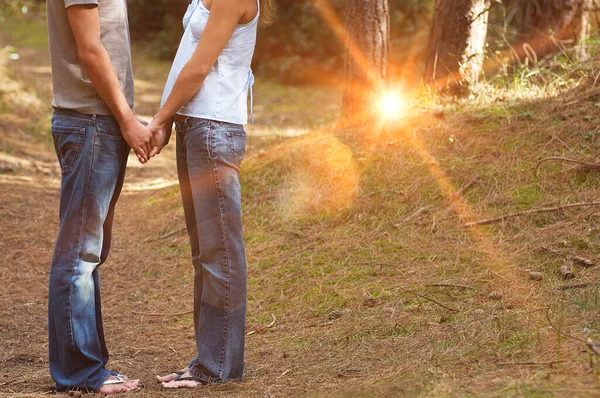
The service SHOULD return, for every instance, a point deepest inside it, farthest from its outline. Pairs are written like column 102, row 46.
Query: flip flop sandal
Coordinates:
column 190, row 378
column 120, row 379
column 179, row 373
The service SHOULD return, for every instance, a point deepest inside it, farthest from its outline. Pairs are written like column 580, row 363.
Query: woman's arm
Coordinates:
column 224, row 17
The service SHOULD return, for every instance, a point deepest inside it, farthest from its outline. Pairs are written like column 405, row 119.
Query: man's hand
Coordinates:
column 139, row 139
column 141, row 119
column 161, row 133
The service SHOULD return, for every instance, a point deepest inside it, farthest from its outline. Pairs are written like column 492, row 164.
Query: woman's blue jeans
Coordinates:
column 209, row 154
column 93, row 157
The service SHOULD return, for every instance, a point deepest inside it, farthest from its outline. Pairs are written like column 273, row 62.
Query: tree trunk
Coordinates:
column 367, row 52
column 454, row 55
column 548, row 24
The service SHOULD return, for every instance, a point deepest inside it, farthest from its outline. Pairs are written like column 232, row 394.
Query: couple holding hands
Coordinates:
column 94, row 128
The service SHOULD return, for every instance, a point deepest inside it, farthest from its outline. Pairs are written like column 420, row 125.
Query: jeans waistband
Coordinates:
column 75, row 114
column 188, row 122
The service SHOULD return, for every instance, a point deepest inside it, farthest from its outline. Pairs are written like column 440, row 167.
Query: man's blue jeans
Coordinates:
column 93, row 157
column 209, row 154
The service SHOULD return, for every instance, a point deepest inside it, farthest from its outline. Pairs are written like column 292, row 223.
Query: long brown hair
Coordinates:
column 268, row 9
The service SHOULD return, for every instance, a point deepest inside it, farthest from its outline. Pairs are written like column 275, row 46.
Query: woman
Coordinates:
column 206, row 94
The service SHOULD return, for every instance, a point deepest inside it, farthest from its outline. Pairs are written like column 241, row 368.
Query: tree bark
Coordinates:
column 367, row 52
column 548, row 24
column 454, row 55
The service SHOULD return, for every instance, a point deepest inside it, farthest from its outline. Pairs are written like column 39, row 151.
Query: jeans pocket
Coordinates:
column 237, row 143
column 68, row 142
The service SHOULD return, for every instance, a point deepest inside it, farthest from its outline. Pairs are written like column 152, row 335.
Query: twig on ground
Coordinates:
column 449, row 285
column 560, row 331
column 526, row 212
column 466, row 187
column 592, row 94
column 413, row 215
column 528, row 363
column 578, row 285
column 428, row 299
column 160, row 314
column 13, row 382
column 563, row 159
column 165, row 236
column 579, row 260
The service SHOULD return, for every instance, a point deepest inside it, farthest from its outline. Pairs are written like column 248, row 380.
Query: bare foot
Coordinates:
column 126, row 386
column 182, row 383
column 168, row 378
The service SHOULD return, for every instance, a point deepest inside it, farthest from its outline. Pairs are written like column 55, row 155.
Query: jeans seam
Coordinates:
column 102, row 380
column 82, row 227
column 225, row 254
column 205, row 378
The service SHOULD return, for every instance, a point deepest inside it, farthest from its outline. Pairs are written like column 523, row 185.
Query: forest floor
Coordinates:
column 364, row 277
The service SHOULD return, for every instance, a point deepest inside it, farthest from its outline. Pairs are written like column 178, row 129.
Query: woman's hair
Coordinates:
column 268, row 8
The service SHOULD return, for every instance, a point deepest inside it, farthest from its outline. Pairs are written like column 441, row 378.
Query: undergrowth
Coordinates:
column 364, row 279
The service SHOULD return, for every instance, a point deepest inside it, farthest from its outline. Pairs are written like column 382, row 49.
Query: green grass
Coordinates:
column 326, row 229
column 26, row 31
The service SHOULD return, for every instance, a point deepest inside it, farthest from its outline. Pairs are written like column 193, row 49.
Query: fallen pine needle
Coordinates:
column 428, row 299
column 159, row 314
column 449, row 285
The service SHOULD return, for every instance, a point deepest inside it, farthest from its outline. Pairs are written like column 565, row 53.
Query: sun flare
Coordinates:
column 390, row 105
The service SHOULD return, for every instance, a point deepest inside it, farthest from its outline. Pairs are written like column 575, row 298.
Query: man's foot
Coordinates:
column 185, row 380
column 118, row 384
column 172, row 376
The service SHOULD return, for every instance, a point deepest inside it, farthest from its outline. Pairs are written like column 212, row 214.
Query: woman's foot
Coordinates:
column 118, row 384
column 170, row 377
column 186, row 380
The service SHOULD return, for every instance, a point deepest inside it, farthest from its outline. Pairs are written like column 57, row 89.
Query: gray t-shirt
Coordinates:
column 72, row 87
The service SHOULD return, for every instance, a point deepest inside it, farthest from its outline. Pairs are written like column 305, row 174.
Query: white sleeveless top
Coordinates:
column 224, row 94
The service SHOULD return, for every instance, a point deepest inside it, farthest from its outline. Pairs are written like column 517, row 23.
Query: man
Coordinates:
column 93, row 128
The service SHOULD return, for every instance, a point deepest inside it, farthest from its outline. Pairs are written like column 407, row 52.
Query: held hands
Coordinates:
column 146, row 140
column 139, row 138
column 161, row 134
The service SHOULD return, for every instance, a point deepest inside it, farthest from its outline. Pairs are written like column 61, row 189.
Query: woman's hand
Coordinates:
column 161, row 134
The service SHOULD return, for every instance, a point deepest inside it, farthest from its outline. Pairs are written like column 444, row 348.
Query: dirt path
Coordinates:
column 146, row 280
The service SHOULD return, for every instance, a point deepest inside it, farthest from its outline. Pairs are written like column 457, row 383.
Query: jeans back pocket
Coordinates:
column 237, row 143
column 68, row 142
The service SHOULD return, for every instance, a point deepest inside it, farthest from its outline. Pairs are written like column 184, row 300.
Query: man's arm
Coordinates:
column 85, row 24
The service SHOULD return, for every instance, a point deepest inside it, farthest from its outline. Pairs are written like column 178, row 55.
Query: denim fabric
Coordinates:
column 93, row 157
column 209, row 154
